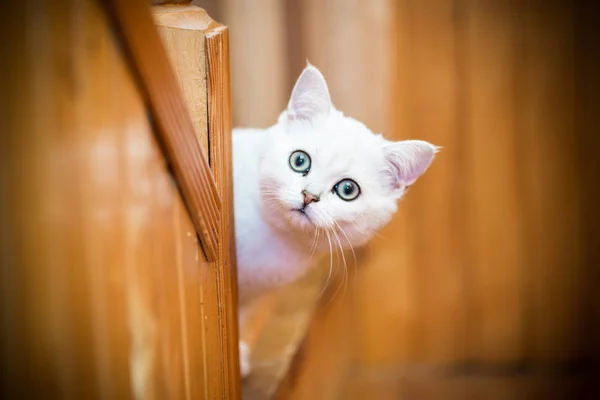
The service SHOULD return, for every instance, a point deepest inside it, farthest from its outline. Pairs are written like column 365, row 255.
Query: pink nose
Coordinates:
column 309, row 197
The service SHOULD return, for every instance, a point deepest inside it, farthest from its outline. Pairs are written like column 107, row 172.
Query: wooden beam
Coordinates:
column 175, row 129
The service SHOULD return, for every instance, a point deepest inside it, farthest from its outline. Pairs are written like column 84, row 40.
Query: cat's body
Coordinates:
column 313, row 182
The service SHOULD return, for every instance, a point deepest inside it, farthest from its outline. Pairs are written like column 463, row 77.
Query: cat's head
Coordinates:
column 324, row 170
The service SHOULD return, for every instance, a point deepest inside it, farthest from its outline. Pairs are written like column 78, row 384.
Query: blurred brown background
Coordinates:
column 490, row 269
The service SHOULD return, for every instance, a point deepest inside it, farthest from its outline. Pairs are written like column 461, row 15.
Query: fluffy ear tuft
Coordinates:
column 310, row 96
column 407, row 160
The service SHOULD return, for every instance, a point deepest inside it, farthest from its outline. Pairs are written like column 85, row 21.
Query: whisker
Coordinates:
column 330, row 264
column 349, row 244
column 345, row 276
column 313, row 247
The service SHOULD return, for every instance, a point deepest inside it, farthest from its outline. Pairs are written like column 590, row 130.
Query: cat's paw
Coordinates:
column 245, row 367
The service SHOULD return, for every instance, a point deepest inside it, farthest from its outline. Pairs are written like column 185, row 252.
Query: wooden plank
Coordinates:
column 295, row 41
column 258, row 68
column 198, row 48
column 495, row 330
column 551, row 185
column 188, row 255
column 63, row 207
column 338, row 36
column 435, row 207
column 221, row 158
column 102, row 115
column 388, row 279
column 46, row 334
column 158, row 84
column 587, row 29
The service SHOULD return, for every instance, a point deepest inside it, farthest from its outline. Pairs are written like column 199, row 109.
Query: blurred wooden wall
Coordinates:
column 487, row 260
column 273, row 39
column 492, row 258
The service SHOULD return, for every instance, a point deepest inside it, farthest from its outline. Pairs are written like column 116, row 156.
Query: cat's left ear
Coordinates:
column 310, row 96
column 407, row 160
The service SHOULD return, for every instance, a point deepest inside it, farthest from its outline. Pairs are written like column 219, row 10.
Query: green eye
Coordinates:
column 347, row 189
column 300, row 162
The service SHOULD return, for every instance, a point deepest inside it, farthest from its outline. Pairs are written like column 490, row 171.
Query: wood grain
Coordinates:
column 158, row 83
column 338, row 37
column 221, row 158
column 103, row 290
column 495, row 330
column 552, row 188
column 434, row 208
column 182, row 33
column 587, row 28
column 258, row 69
column 199, row 48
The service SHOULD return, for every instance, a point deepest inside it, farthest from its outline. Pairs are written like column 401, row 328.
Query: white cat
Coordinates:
column 314, row 179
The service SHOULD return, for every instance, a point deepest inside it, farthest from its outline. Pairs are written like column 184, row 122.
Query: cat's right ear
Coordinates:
column 310, row 96
column 407, row 160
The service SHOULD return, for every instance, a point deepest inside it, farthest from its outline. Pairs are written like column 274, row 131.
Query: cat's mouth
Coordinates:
column 300, row 213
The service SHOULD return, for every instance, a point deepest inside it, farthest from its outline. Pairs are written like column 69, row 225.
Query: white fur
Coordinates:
column 273, row 241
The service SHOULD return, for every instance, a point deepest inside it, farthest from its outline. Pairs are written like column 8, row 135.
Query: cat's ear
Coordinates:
column 407, row 160
column 310, row 96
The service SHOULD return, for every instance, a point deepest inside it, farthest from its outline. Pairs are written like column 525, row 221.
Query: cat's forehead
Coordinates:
column 339, row 141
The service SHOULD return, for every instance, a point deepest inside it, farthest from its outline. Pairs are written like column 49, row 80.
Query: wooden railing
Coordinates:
column 118, row 272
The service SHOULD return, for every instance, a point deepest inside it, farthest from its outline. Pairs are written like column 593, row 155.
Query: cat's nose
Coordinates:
column 309, row 197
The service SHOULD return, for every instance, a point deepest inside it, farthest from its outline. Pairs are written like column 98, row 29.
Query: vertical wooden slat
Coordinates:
column 258, row 68
column 220, row 126
column 587, row 48
column 551, row 182
column 165, row 267
column 12, row 279
column 435, row 207
column 189, row 256
column 50, row 336
column 64, row 150
column 54, row 284
column 386, row 323
column 494, row 221
column 198, row 48
column 339, row 35
column 101, row 75
column 181, row 30
column 295, row 41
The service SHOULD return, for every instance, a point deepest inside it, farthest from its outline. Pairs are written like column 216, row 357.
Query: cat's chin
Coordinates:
column 300, row 219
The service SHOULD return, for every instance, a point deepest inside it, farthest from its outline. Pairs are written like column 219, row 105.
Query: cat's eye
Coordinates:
column 300, row 162
column 347, row 189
